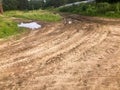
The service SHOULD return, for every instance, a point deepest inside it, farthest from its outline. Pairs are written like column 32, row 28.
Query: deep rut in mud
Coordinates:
column 79, row 56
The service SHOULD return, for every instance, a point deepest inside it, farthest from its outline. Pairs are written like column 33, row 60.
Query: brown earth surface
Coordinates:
column 84, row 55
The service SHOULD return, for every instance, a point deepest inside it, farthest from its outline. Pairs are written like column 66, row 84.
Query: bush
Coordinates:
column 112, row 14
column 91, row 10
column 95, row 9
column 102, row 7
column 116, row 7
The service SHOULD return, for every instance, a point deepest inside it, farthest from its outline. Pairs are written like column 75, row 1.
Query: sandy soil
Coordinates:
column 84, row 55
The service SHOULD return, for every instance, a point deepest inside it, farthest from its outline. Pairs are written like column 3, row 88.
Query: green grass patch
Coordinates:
column 95, row 9
column 35, row 15
column 7, row 27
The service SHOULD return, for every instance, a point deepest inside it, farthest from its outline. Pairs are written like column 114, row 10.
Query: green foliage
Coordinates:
column 54, row 3
column 116, row 7
column 15, row 4
column 10, row 4
column 95, row 9
column 109, row 1
column 33, row 4
column 22, row 4
column 35, row 15
column 57, row 3
column 103, row 7
column 112, row 14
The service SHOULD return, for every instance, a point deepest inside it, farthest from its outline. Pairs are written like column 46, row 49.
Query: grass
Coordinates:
column 7, row 27
column 35, row 15
column 95, row 9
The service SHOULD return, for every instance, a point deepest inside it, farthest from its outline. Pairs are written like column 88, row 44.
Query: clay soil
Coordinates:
column 83, row 55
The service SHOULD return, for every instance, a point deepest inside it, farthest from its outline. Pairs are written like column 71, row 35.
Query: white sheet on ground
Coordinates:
column 31, row 25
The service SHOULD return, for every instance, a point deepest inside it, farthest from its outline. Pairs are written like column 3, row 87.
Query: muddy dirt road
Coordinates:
column 84, row 55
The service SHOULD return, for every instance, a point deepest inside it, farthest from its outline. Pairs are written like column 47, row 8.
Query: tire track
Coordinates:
column 77, row 56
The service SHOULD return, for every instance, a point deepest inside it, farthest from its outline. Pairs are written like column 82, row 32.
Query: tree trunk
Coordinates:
column 1, row 8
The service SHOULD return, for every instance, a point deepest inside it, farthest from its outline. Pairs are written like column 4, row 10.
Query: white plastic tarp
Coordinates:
column 31, row 25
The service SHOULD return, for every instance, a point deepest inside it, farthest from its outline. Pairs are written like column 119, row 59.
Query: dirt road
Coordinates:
column 83, row 55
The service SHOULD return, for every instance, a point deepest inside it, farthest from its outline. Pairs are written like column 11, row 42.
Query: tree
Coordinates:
column 23, row 4
column 57, row 3
column 54, row 3
column 36, row 4
column 15, row 4
column 10, row 4
column 71, row 1
column 1, row 8
column 109, row 1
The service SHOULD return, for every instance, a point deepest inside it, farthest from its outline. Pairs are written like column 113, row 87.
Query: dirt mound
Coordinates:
column 61, row 56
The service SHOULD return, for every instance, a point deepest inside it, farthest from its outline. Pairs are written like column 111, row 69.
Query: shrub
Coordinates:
column 91, row 9
column 95, row 9
column 116, row 7
column 102, row 7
